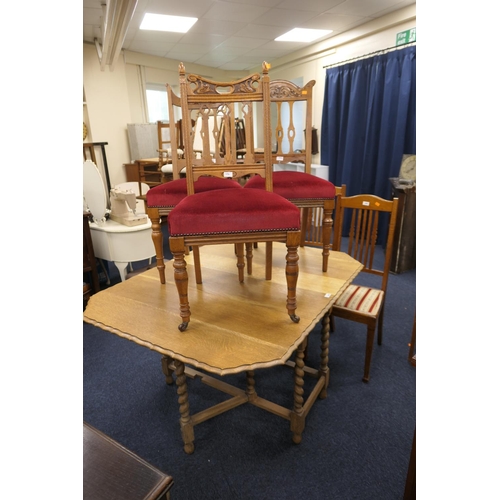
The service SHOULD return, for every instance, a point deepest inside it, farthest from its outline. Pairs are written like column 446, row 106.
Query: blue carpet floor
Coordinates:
column 356, row 444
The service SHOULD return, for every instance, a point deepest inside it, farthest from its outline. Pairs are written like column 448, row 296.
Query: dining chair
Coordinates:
column 291, row 106
column 314, row 221
column 166, row 148
column 230, row 216
column 364, row 304
column 160, row 200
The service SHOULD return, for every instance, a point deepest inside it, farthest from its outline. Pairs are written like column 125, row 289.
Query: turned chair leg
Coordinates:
column 249, row 256
column 303, row 226
column 370, row 337
column 292, row 274
column 380, row 323
column 157, row 237
column 181, row 279
column 327, row 231
column 240, row 261
column 197, row 265
column 269, row 260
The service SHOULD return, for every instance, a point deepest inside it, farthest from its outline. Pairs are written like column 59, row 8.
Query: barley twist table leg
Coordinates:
column 187, row 429
column 165, row 360
column 251, row 385
column 325, row 343
column 297, row 419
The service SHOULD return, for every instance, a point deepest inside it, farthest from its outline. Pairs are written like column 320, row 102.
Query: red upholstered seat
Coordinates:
column 171, row 193
column 235, row 211
column 296, row 186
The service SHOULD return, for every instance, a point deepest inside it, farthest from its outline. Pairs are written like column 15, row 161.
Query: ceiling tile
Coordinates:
column 235, row 33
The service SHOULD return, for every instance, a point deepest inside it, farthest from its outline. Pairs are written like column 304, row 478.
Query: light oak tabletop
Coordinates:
column 234, row 326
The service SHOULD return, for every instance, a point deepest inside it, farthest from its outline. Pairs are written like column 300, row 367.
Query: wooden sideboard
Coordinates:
column 404, row 253
column 112, row 471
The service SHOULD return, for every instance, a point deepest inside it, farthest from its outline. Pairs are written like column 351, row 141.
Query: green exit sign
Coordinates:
column 407, row 36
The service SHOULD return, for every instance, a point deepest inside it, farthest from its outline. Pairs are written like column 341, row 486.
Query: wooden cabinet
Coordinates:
column 144, row 171
column 112, row 471
column 404, row 251
column 131, row 172
column 149, row 171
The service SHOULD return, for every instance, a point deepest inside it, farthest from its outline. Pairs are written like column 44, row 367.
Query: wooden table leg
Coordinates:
column 187, row 429
column 251, row 385
column 324, row 371
column 165, row 360
column 297, row 417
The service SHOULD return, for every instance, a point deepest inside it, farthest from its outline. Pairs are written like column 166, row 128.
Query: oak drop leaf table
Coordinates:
column 235, row 327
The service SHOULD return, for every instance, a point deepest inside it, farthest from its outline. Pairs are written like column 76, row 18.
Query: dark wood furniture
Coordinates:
column 404, row 256
column 111, row 471
column 91, row 277
column 145, row 171
column 244, row 332
column 89, row 154
column 131, row 172
column 411, row 475
column 360, row 303
column 412, row 354
column 149, row 171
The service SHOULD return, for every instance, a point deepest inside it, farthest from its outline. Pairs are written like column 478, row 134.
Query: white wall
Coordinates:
column 107, row 109
column 116, row 98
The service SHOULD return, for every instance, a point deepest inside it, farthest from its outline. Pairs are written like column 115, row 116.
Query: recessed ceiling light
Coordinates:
column 159, row 22
column 302, row 35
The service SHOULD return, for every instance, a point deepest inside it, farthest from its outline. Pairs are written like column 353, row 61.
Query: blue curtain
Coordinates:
column 368, row 120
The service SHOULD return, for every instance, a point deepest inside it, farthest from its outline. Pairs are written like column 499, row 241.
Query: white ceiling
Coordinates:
column 237, row 34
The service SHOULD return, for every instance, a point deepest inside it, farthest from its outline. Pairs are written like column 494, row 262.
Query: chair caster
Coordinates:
column 294, row 318
column 182, row 327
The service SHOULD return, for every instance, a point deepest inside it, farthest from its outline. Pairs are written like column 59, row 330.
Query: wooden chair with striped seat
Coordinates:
column 361, row 303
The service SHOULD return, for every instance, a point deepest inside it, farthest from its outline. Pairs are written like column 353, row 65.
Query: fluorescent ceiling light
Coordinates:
column 159, row 22
column 302, row 35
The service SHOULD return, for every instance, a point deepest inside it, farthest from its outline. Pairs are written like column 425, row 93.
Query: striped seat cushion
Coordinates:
column 361, row 299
